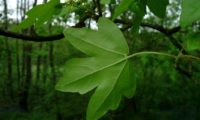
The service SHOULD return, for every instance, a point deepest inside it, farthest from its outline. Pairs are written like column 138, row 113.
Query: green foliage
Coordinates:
column 139, row 9
column 105, row 1
column 192, row 41
column 158, row 7
column 66, row 10
column 106, row 69
column 40, row 14
column 190, row 12
column 121, row 8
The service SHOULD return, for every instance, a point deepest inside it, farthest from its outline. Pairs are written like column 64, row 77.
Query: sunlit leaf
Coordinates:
column 106, row 69
column 190, row 12
column 40, row 14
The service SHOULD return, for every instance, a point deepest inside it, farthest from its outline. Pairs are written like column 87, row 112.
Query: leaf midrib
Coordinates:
column 113, row 87
column 100, row 69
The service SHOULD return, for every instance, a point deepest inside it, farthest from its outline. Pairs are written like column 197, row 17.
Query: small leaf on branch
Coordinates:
column 158, row 7
column 40, row 14
column 121, row 8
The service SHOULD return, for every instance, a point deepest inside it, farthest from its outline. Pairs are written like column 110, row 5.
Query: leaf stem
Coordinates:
column 191, row 57
column 162, row 54
column 151, row 53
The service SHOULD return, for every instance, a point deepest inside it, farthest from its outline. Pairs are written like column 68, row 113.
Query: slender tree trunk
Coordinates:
column 44, row 69
column 25, row 7
column 53, row 79
column 18, row 63
column 17, row 50
column 23, row 68
column 44, row 1
column 9, row 82
column 38, row 68
column 23, row 93
column 35, row 3
column 28, row 77
column 51, row 60
column 9, row 86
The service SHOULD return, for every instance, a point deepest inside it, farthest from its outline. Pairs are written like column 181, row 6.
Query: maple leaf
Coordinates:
column 106, row 69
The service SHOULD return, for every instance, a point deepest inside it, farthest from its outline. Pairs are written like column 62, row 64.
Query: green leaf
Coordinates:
column 190, row 12
column 40, row 14
column 121, row 8
column 105, row 1
column 139, row 9
column 66, row 10
column 158, row 7
column 106, row 69
column 192, row 41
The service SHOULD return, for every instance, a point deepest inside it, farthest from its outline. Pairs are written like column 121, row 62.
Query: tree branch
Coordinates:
column 165, row 31
column 37, row 38
column 31, row 38
column 81, row 23
column 161, row 29
column 99, row 8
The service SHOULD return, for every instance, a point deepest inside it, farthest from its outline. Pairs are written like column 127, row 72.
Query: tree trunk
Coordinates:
column 53, row 80
column 51, row 60
column 17, row 50
column 45, row 69
column 24, row 93
column 18, row 63
column 44, row 1
column 8, row 82
column 38, row 68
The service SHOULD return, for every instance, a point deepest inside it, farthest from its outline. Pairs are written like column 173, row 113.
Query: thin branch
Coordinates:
column 183, row 71
column 31, row 38
column 81, row 24
column 161, row 29
column 99, row 8
column 38, row 38
column 168, row 32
